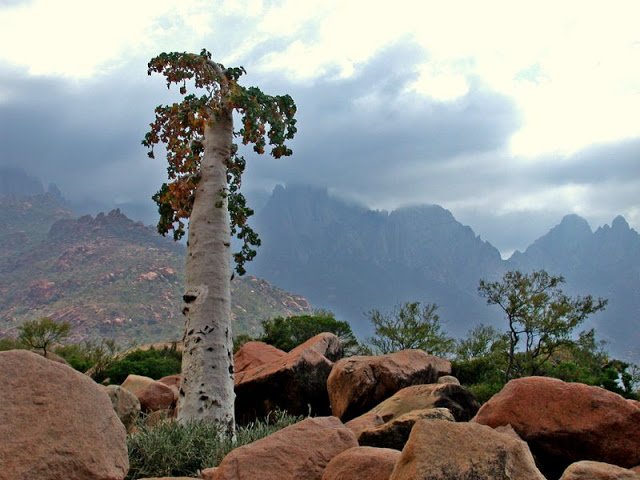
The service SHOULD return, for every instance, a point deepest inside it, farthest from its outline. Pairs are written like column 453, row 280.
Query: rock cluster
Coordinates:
column 408, row 419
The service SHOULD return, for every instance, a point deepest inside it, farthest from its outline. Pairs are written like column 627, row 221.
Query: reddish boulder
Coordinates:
column 56, row 423
column 589, row 470
column 362, row 462
column 295, row 382
column 567, row 422
column 300, row 451
column 157, row 396
column 136, row 383
column 438, row 450
column 255, row 354
column 172, row 381
column 359, row 383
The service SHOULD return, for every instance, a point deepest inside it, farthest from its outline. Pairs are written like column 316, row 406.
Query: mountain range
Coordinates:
column 351, row 259
column 113, row 276
column 107, row 275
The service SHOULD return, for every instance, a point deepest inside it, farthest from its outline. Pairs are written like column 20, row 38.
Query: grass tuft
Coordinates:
column 172, row 449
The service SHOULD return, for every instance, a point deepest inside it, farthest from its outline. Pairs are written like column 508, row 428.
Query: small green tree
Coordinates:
column 480, row 342
column 410, row 326
column 42, row 333
column 287, row 333
column 540, row 317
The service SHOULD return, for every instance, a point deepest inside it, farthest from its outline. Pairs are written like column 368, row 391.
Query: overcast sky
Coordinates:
column 509, row 113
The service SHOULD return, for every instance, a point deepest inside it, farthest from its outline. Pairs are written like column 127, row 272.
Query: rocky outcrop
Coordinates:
column 589, row 470
column 255, row 354
column 359, row 383
column 362, row 463
column 56, row 423
column 295, row 382
column 567, row 422
column 300, row 451
column 440, row 450
column 125, row 404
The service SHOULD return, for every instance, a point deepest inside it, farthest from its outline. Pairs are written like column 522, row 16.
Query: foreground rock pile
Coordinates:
column 390, row 417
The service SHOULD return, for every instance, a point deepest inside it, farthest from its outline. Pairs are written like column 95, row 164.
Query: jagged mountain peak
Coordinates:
column 620, row 223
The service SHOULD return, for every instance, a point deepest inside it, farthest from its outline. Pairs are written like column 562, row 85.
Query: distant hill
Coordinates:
column 107, row 275
column 351, row 259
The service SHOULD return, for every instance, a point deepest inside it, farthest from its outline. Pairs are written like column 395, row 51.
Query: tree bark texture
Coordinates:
column 207, row 361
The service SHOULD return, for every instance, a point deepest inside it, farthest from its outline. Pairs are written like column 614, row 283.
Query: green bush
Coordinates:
column 9, row 343
column 173, row 449
column 287, row 333
column 89, row 355
column 149, row 363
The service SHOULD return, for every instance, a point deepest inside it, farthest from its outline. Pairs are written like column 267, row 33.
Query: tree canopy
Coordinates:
column 540, row 317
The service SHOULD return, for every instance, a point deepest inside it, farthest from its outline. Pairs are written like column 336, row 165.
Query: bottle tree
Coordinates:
column 203, row 190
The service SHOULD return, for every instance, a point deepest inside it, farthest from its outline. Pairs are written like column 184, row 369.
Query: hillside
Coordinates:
column 350, row 259
column 107, row 275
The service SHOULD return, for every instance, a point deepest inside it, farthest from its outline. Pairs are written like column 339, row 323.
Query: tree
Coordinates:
column 480, row 342
column 287, row 333
column 205, row 173
column 41, row 334
column 410, row 327
column 540, row 317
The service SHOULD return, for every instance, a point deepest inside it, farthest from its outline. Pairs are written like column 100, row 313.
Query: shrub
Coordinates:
column 9, row 343
column 287, row 333
column 89, row 355
column 149, row 363
column 173, row 449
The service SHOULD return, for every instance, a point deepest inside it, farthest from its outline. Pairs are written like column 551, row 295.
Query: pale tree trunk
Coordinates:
column 207, row 361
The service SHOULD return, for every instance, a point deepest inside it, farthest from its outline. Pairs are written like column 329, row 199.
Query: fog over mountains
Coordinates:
column 350, row 259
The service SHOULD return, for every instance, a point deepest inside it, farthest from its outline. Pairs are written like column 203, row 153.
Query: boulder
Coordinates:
column 395, row 433
column 157, row 396
column 207, row 473
column 172, row 381
column 439, row 450
column 359, row 463
column 255, row 354
column 300, row 451
column 589, row 470
column 125, row 404
column 56, row 423
column 567, row 422
column 359, row 383
column 295, row 382
column 448, row 379
column 136, row 383
column 459, row 401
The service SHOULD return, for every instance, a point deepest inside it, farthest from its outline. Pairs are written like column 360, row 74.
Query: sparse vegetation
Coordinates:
column 173, row 449
column 410, row 326
column 41, row 334
column 90, row 355
column 149, row 363
column 541, row 318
